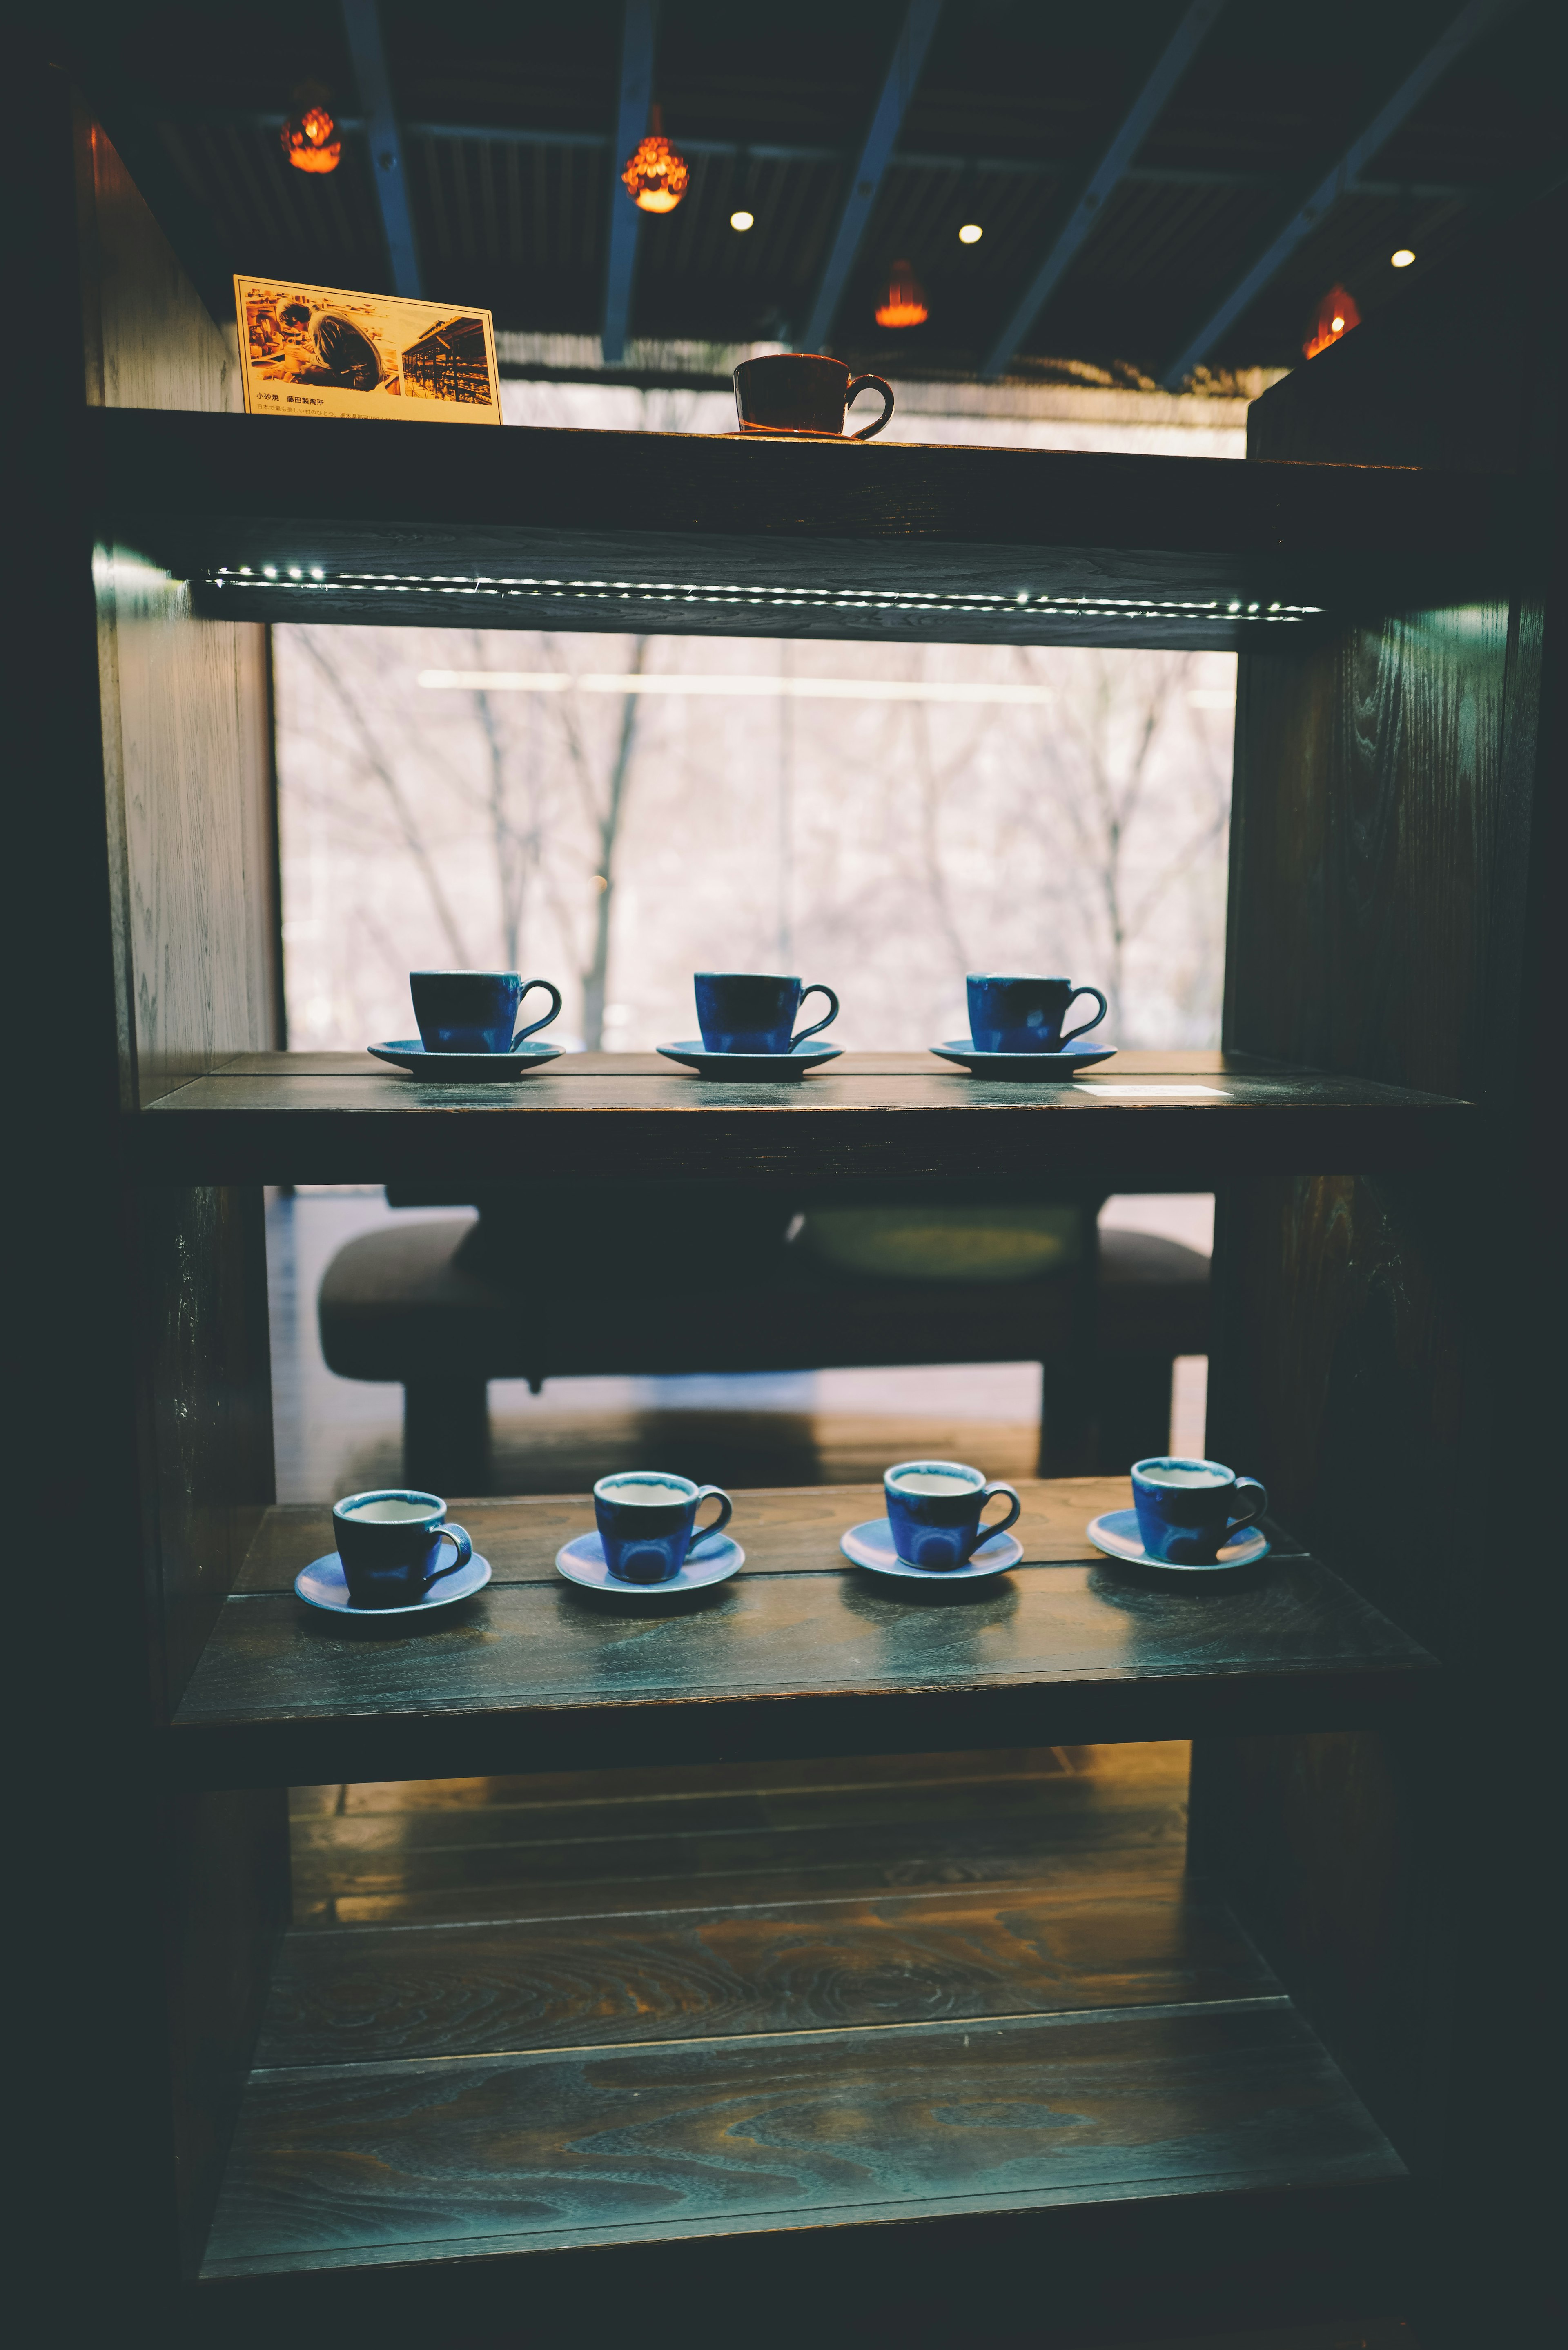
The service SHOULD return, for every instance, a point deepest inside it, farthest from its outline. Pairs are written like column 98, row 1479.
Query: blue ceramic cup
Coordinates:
column 389, row 1542
column 1188, row 1510
column 933, row 1509
column 474, row 1010
column 1022, row 1015
column 754, row 1011
column 645, row 1521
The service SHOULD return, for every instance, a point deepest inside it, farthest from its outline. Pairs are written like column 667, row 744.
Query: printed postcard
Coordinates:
column 315, row 351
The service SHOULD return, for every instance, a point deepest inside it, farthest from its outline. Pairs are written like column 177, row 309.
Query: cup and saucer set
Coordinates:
column 933, row 1531
column 1190, row 1520
column 468, row 1028
column 747, row 1019
column 1016, row 1030
column 389, row 1564
column 647, row 1537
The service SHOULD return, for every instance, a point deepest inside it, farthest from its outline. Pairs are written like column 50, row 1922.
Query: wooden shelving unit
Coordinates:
column 1388, row 950
column 801, row 1654
column 347, row 1117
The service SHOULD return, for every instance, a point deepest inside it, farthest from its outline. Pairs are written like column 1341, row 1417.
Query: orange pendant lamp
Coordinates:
column 309, row 135
column 656, row 177
column 1337, row 314
column 904, row 303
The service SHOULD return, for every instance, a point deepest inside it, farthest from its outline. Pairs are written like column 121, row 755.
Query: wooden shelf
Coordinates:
column 668, row 2017
column 346, row 1117
column 731, row 536
column 799, row 1653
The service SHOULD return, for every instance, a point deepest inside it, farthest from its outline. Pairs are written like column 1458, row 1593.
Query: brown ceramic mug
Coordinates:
column 805, row 393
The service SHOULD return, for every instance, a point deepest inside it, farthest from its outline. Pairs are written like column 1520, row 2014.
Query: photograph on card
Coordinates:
column 316, row 351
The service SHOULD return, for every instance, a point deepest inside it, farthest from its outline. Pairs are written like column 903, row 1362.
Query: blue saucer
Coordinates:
column 582, row 1560
column 745, row 1068
column 871, row 1545
column 408, row 1053
column 1038, row 1068
column 322, row 1584
column 1117, row 1535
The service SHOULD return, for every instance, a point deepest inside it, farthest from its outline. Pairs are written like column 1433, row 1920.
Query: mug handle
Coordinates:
column 458, row 1537
column 726, row 1512
column 871, row 383
column 1068, row 1034
column 529, row 985
column 817, row 988
column 1248, row 1485
column 988, row 1527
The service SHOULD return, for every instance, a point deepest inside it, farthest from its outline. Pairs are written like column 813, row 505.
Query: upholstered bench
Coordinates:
column 420, row 1303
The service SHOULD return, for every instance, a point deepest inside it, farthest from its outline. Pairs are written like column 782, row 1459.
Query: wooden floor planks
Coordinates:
column 548, row 2149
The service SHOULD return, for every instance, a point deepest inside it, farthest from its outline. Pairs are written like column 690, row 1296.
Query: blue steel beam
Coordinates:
column 625, row 220
column 1477, row 17
column 1113, row 166
column 362, row 24
column 903, row 72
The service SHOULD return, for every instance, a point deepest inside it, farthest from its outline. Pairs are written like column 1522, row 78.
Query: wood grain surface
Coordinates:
column 905, row 1117
column 800, row 1652
column 335, row 2164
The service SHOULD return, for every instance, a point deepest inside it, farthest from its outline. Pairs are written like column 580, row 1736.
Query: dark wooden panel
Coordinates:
column 789, row 1530
column 632, row 530
column 269, row 1123
column 548, row 1676
column 355, row 2164
column 373, row 1997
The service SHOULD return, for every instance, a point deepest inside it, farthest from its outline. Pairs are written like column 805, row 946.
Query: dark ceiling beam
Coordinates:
column 632, row 106
column 1476, row 17
column 898, row 89
column 1178, row 54
column 362, row 24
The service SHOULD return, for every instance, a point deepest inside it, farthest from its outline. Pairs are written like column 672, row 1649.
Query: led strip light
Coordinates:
column 299, row 579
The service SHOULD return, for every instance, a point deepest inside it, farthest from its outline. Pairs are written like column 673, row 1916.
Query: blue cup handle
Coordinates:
column 986, row 1528
column 817, row 988
column 726, row 1512
column 457, row 1536
column 1083, row 1030
column 1245, row 1517
column 554, row 994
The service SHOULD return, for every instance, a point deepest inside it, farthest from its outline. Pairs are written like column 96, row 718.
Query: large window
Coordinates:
column 614, row 813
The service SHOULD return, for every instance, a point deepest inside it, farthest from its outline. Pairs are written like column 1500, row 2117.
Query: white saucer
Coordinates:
column 871, row 1545
column 322, row 1584
column 582, row 1560
column 1117, row 1535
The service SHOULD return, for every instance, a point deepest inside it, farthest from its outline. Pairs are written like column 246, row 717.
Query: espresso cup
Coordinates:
column 933, row 1509
column 754, row 1011
column 1008, row 1014
column 389, row 1542
column 475, row 1011
column 645, row 1523
column 1188, row 1510
column 805, row 393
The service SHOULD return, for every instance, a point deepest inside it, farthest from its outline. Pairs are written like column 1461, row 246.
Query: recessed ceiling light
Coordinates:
column 1402, row 259
column 742, row 220
column 970, row 233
